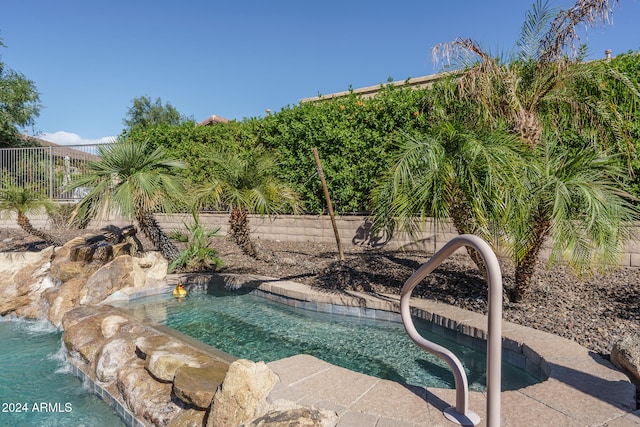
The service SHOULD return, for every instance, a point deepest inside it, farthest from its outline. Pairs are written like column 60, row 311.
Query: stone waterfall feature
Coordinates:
column 155, row 377
column 85, row 271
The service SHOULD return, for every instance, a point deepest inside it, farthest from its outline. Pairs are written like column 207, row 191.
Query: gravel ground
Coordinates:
column 595, row 312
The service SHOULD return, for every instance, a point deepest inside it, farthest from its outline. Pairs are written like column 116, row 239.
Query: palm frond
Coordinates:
column 562, row 37
column 534, row 29
column 450, row 173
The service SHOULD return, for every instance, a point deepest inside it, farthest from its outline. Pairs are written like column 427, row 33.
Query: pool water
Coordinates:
column 37, row 387
column 255, row 328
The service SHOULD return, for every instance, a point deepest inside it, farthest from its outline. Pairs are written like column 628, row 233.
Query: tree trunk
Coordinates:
column 526, row 266
column 154, row 233
column 25, row 224
column 239, row 231
column 465, row 224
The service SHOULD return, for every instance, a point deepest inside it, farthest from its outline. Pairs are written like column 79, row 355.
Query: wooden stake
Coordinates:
column 329, row 206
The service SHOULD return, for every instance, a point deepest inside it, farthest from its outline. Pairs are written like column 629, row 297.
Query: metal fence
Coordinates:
column 48, row 170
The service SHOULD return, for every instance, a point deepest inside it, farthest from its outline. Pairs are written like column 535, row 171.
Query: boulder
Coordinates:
column 112, row 324
column 245, row 388
column 155, row 267
column 145, row 345
column 101, row 337
column 625, row 354
column 111, row 277
column 82, row 313
column 121, row 249
column 64, row 251
column 196, row 386
column 33, row 291
column 299, row 417
column 135, row 330
column 65, row 270
column 84, row 338
column 64, row 299
column 148, row 399
column 24, row 278
column 13, row 262
column 164, row 361
column 113, row 355
column 77, row 274
column 126, row 273
column 161, row 379
column 188, row 418
column 103, row 247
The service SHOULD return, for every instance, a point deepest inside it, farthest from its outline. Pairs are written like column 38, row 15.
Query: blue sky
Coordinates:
column 90, row 59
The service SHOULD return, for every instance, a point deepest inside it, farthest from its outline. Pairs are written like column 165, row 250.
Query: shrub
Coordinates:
column 198, row 254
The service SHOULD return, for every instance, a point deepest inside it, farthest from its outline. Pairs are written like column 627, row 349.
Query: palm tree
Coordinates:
column 545, row 82
column 245, row 182
column 451, row 174
column 547, row 97
column 131, row 181
column 576, row 199
column 25, row 200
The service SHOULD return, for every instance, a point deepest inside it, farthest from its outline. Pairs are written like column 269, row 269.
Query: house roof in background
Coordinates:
column 61, row 150
column 369, row 91
column 213, row 120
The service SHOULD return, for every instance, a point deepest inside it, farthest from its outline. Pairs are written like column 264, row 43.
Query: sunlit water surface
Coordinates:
column 255, row 328
column 37, row 387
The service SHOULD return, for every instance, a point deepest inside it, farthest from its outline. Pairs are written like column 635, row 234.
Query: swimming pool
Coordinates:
column 251, row 327
column 36, row 385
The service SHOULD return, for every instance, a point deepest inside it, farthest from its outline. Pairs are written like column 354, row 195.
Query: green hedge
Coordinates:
column 354, row 137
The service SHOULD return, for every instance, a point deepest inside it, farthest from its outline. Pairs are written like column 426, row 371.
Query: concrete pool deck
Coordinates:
column 364, row 401
column 580, row 388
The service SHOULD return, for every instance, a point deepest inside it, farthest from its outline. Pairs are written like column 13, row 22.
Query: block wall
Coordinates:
column 353, row 230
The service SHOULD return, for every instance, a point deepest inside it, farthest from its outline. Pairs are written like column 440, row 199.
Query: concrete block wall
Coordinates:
column 353, row 231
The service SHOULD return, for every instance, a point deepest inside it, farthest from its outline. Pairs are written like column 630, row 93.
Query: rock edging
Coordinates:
column 153, row 378
column 138, row 366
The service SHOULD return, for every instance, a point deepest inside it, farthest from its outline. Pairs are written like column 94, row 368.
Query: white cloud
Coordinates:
column 68, row 138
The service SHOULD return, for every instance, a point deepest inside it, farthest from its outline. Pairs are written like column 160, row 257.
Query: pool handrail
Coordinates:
column 461, row 413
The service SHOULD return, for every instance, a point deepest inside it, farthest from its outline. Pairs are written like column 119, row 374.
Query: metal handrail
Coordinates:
column 461, row 413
